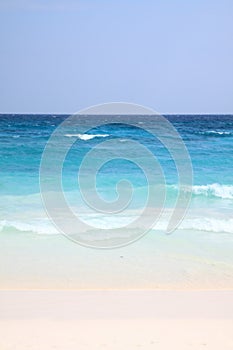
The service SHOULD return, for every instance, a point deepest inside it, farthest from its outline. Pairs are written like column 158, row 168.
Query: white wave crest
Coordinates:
column 218, row 132
column 86, row 137
column 216, row 190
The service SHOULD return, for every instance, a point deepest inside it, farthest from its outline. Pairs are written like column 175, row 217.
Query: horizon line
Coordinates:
column 167, row 114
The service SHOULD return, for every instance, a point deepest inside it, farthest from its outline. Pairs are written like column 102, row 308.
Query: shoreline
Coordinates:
column 156, row 262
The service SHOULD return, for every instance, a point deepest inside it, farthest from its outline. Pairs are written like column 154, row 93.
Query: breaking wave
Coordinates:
column 86, row 137
column 216, row 133
column 214, row 190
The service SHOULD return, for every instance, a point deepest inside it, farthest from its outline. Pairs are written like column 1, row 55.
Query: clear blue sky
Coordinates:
column 172, row 55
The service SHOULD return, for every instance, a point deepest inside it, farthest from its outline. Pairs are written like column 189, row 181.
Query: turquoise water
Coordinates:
column 208, row 138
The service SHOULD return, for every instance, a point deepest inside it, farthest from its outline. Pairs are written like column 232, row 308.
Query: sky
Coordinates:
column 59, row 56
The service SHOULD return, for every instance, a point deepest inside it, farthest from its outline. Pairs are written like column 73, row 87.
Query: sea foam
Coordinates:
column 43, row 226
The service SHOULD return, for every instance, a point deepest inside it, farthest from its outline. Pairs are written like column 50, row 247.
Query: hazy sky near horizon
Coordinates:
column 58, row 56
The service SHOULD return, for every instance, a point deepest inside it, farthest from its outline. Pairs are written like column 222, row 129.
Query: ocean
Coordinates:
column 209, row 219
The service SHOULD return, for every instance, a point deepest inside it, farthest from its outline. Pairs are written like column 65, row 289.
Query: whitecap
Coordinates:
column 215, row 189
column 86, row 137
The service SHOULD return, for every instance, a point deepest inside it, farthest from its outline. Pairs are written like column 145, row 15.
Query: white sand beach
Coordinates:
column 116, row 320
